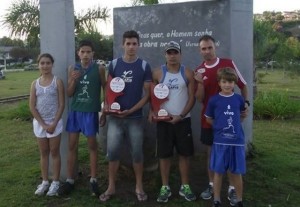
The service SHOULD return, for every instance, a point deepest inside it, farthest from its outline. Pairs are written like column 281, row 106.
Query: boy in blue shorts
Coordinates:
column 228, row 151
column 85, row 80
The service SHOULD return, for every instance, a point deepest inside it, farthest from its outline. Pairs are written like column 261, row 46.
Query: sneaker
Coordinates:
column 164, row 194
column 65, row 189
column 94, row 188
column 41, row 189
column 186, row 192
column 53, row 189
column 232, row 197
column 239, row 204
column 217, row 204
column 207, row 194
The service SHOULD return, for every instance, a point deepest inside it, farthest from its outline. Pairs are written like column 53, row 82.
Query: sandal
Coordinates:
column 141, row 196
column 105, row 197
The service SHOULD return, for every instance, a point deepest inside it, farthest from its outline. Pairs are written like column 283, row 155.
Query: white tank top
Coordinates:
column 178, row 96
column 46, row 99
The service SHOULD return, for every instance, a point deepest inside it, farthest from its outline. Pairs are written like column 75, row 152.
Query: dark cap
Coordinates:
column 173, row 46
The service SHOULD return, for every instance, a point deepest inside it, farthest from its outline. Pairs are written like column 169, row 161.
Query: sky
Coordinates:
column 259, row 6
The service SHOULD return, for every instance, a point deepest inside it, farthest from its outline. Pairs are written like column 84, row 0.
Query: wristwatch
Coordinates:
column 247, row 102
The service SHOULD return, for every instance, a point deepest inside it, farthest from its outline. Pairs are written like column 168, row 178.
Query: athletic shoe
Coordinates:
column 65, row 189
column 186, row 192
column 232, row 197
column 207, row 194
column 94, row 188
column 53, row 189
column 41, row 189
column 164, row 194
column 217, row 204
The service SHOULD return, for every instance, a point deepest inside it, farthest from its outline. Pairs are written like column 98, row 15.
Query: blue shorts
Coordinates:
column 225, row 158
column 85, row 122
column 118, row 130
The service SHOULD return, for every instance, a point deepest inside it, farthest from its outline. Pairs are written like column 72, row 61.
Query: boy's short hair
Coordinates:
column 131, row 34
column 83, row 43
column 228, row 74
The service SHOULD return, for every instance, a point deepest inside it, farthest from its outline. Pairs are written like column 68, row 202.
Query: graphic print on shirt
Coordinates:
column 127, row 76
column 173, row 84
column 83, row 96
column 228, row 131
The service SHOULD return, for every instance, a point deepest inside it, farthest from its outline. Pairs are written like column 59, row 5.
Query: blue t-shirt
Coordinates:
column 226, row 112
column 134, row 74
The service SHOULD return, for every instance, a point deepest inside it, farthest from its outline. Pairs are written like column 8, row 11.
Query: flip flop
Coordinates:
column 105, row 197
column 141, row 196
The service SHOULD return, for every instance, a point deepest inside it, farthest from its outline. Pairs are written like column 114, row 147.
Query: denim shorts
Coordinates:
column 124, row 128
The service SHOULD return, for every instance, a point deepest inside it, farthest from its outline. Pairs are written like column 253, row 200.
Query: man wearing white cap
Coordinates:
column 175, row 132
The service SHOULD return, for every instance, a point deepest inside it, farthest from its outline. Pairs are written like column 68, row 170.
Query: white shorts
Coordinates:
column 39, row 132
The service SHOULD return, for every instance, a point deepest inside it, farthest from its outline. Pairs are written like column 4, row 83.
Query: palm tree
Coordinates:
column 86, row 20
column 22, row 19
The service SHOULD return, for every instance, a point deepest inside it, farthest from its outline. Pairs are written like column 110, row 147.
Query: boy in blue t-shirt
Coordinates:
column 228, row 150
column 128, row 123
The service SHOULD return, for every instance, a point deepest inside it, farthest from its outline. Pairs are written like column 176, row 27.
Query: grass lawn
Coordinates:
column 272, row 179
column 17, row 83
column 278, row 80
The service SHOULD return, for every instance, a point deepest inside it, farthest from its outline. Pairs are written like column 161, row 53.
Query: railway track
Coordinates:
column 13, row 99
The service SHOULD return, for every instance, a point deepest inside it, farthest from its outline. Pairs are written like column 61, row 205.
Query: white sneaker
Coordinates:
column 53, row 189
column 41, row 189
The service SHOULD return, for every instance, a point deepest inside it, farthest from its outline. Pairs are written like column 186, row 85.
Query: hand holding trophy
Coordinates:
column 115, row 87
column 159, row 95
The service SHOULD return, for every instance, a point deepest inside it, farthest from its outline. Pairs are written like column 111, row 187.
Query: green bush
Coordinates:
column 260, row 77
column 275, row 105
column 22, row 112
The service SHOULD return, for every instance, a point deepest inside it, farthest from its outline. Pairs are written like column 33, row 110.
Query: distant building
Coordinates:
column 287, row 15
column 4, row 53
column 291, row 15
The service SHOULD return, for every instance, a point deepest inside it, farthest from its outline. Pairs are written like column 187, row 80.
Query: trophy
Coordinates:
column 115, row 87
column 159, row 95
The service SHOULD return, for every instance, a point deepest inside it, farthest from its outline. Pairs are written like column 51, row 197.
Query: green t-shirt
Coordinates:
column 87, row 90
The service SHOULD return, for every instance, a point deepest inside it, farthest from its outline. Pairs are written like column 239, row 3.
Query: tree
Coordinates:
column 273, row 16
column 86, row 20
column 22, row 19
column 19, row 53
column 6, row 41
column 103, row 45
column 289, row 50
column 266, row 41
